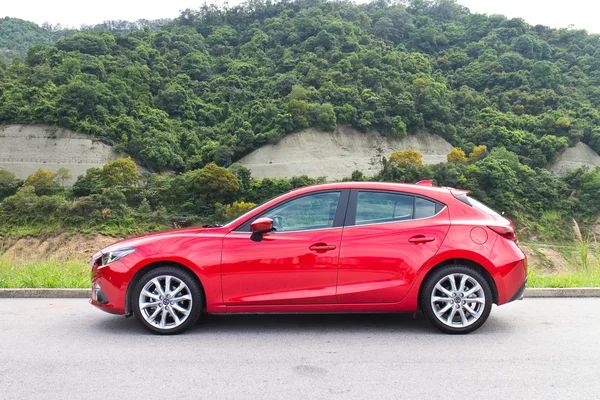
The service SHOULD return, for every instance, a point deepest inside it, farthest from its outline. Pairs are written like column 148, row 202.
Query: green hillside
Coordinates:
column 217, row 83
column 17, row 36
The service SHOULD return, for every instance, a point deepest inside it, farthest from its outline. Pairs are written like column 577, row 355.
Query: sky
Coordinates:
column 583, row 14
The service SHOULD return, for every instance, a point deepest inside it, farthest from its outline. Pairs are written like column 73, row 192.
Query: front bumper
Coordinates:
column 109, row 286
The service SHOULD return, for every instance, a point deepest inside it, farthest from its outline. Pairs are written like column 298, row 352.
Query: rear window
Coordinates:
column 479, row 206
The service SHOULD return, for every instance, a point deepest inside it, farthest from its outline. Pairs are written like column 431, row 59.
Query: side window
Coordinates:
column 424, row 208
column 313, row 211
column 375, row 207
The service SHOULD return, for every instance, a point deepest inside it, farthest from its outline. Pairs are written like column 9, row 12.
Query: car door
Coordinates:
column 295, row 264
column 387, row 238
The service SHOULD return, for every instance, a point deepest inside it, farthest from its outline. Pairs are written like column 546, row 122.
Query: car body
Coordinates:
column 338, row 247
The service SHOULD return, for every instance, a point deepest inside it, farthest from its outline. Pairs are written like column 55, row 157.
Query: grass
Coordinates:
column 583, row 270
column 52, row 273
column 570, row 279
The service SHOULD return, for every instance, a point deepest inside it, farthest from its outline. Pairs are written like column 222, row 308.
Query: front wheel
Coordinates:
column 167, row 300
column 456, row 299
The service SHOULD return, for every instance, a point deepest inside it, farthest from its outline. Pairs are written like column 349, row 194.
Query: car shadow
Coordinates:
column 355, row 322
column 378, row 323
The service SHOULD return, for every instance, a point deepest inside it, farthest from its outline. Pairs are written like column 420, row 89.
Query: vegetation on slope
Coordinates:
column 217, row 83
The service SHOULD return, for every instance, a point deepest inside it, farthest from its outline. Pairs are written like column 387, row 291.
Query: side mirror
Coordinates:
column 261, row 226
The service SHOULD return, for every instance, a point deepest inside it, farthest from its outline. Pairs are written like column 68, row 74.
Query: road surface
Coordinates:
column 66, row 349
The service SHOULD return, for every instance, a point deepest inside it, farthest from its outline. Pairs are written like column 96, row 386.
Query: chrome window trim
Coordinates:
column 282, row 232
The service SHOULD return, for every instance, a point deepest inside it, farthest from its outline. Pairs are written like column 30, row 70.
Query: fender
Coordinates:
column 412, row 298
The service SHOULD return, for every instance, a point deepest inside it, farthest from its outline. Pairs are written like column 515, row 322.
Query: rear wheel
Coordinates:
column 456, row 299
column 167, row 300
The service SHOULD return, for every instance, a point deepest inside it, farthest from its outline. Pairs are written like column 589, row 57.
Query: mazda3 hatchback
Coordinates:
column 339, row 247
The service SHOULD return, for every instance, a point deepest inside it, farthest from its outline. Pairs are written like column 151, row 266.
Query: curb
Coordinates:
column 46, row 293
column 562, row 292
column 86, row 293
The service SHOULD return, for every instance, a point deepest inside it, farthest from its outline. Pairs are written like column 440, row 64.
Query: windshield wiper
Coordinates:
column 212, row 226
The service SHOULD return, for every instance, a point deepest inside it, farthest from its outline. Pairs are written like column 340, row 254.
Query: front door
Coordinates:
column 387, row 238
column 295, row 264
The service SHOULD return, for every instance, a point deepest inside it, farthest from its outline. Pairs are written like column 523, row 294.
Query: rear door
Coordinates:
column 387, row 237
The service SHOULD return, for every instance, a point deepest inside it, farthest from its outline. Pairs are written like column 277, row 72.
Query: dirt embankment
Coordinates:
column 336, row 154
column 26, row 148
column 581, row 155
column 78, row 246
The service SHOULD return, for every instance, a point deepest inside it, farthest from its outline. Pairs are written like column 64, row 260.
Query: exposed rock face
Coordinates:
column 26, row 148
column 575, row 157
column 336, row 154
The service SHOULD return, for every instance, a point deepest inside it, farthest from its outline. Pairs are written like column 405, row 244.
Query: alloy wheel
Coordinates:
column 165, row 302
column 458, row 300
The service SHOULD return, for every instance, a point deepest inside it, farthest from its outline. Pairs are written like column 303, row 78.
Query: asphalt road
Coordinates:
column 66, row 349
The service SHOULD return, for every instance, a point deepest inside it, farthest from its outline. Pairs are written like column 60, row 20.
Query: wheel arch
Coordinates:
column 466, row 262
column 152, row 266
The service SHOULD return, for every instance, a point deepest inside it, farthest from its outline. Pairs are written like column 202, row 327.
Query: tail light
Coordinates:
column 505, row 231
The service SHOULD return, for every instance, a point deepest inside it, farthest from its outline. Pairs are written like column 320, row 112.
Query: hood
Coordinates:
column 137, row 241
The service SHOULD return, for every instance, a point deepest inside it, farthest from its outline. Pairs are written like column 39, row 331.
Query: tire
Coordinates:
column 447, row 306
column 167, row 300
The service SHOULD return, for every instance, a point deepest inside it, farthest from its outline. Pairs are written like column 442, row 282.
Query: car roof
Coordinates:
column 408, row 187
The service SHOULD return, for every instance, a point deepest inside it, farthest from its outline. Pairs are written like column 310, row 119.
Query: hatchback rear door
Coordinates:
column 387, row 237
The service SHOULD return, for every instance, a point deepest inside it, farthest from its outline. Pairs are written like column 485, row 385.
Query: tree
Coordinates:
column 398, row 127
column 62, row 176
column 238, row 208
column 120, row 172
column 456, row 156
column 9, row 184
column 215, row 184
column 406, row 157
column 42, row 181
column 478, row 153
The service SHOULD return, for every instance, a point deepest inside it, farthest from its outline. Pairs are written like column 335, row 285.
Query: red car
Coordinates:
column 339, row 247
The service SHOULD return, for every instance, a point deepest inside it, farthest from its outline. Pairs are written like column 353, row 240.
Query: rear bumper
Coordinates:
column 519, row 294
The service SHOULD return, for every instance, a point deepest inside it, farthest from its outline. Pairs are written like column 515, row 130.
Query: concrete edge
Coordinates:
column 46, row 293
column 562, row 292
column 86, row 293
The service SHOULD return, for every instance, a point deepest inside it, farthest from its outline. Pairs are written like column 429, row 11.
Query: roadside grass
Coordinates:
column 583, row 270
column 573, row 279
column 582, row 261
column 51, row 273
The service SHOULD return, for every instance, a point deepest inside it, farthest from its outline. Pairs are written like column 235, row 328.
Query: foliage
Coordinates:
column 42, row 181
column 238, row 208
column 405, row 158
column 193, row 95
column 218, row 82
column 9, row 184
column 478, row 153
column 215, row 184
column 456, row 156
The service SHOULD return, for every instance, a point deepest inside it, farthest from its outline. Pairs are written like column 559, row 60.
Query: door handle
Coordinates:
column 321, row 247
column 420, row 239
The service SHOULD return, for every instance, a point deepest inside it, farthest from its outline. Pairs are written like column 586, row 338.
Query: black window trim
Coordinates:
column 338, row 219
column 350, row 219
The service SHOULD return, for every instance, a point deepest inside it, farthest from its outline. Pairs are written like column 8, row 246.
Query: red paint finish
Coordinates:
column 370, row 267
column 283, row 268
column 379, row 262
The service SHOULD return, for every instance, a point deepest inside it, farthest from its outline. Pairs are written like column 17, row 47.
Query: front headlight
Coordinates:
column 116, row 255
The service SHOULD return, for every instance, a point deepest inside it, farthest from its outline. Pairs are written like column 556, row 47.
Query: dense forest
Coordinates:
column 217, row 83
